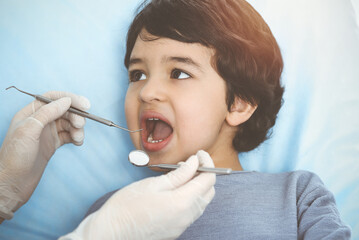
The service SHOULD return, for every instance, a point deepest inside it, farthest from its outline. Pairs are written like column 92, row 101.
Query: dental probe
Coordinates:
column 78, row 111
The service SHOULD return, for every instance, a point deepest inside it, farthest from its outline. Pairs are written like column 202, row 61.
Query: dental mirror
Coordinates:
column 140, row 158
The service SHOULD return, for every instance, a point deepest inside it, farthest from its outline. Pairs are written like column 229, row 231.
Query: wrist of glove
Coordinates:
column 154, row 208
column 9, row 201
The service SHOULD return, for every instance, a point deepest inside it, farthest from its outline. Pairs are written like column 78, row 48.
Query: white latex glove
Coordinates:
column 34, row 134
column 154, row 208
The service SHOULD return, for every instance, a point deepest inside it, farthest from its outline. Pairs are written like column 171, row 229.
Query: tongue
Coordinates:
column 161, row 130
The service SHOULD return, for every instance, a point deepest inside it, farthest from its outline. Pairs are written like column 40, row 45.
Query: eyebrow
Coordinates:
column 134, row 61
column 185, row 60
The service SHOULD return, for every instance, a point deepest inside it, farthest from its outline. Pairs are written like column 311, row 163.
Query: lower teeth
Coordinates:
column 150, row 139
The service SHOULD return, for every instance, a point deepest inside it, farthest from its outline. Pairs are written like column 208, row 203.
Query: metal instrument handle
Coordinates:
column 200, row 169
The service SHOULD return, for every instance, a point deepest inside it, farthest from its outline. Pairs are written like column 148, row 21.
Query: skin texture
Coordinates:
column 190, row 94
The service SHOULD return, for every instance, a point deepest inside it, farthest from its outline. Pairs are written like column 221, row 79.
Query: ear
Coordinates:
column 240, row 112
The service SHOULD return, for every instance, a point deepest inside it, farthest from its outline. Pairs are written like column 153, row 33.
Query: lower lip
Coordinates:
column 154, row 147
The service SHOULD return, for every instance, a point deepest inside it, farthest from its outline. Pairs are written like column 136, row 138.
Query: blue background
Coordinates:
column 79, row 45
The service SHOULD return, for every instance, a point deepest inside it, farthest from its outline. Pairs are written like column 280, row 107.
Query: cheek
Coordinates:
column 132, row 118
column 131, row 108
column 201, row 118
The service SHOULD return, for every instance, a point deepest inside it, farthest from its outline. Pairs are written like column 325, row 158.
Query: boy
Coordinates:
column 206, row 75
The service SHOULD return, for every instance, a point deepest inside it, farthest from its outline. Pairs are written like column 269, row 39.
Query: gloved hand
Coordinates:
column 154, row 208
column 34, row 134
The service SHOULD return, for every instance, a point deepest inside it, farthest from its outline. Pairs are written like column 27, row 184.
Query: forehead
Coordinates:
column 149, row 46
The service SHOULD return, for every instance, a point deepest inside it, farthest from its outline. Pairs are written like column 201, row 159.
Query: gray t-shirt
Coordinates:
column 253, row 205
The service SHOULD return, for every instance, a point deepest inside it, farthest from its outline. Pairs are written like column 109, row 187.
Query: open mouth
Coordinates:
column 157, row 131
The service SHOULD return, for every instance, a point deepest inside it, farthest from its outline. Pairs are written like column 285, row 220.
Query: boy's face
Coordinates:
column 175, row 82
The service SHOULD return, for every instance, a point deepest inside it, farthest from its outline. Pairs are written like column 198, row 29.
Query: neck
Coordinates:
column 223, row 153
column 228, row 160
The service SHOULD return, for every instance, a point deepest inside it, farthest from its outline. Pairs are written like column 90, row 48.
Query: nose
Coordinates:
column 153, row 90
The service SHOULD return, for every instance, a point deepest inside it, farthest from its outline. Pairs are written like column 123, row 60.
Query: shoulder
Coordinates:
column 305, row 179
column 308, row 185
column 304, row 176
column 302, row 185
column 300, row 178
column 294, row 184
column 317, row 213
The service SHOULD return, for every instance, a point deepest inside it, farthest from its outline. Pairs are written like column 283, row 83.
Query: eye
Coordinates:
column 136, row 75
column 179, row 74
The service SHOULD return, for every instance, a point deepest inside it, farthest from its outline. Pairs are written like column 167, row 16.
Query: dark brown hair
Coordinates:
column 247, row 55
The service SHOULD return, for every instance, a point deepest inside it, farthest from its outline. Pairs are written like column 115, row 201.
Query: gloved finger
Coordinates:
column 46, row 114
column 203, row 181
column 208, row 196
column 65, row 137
column 180, row 176
column 205, row 159
column 201, row 202
column 76, row 120
column 77, row 134
column 193, row 205
column 63, row 125
column 199, row 185
column 77, row 101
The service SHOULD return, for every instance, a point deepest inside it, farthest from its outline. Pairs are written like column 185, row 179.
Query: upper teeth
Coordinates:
column 152, row 119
